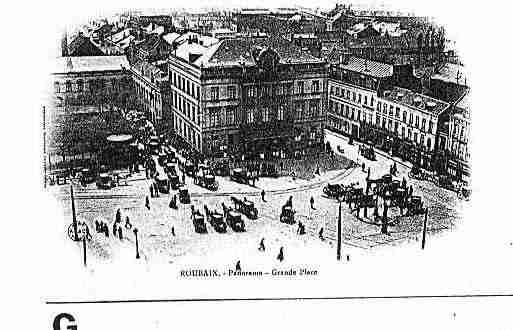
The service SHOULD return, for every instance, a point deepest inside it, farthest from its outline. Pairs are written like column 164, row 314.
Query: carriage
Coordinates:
column 287, row 215
column 105, row 181
column 87, row 176
column 353, row 195
column 162, row 183
column 368, row 152
column 269, row 170
column 239, row 175
column 189, row 168
column 245, row 207
column 183, row 195
column 198, row 220
column 205, row 178
column 234, row 220
column 366, row 201
column 216, row 220
column 416, row 173
column 415, row 206
column 334, row 190
column 222, row 168
column 445, row 182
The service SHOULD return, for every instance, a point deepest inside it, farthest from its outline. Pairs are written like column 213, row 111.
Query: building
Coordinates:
column 458, row 141
column 83, row 46
column 223, row 33
column 353, row 90
column 151, row 87
column 89, row 84
column 248, row 97
column 365, row 103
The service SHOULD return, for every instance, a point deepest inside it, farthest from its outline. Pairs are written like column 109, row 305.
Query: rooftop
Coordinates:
column 415, row 100
column 452, row 73
column 90, row 64
column 367, row 67
column 232, row 52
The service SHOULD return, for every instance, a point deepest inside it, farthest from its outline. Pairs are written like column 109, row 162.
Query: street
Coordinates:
column 157, row 244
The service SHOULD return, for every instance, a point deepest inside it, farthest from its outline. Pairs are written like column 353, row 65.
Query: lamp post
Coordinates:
column 339, row 230
column 85, row 249
column 384, row 220
column 137, row 256
column 424, row 229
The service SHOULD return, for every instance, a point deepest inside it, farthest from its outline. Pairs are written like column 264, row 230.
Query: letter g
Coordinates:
column 68, row 317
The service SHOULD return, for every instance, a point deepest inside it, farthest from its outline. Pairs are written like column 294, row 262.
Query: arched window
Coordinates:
column 57, row 87
column 68, row 86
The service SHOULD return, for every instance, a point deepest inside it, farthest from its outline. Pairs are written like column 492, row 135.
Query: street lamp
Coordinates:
column 384, row 221
column 339, row 230
column 424, row 229
column 137, row 256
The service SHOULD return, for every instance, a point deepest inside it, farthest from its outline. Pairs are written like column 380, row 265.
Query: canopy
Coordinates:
column 119, row 138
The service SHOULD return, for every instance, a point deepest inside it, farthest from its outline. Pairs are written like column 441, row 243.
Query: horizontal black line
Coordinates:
column 277, row 299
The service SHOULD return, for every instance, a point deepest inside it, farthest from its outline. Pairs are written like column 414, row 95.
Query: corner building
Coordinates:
column 247, row 97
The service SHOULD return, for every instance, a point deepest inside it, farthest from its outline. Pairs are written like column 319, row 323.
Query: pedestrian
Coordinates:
column 173, row 231
column 312, row 203
column 128, row 225
column 118, row 216
column 97, row 226
column 183, row 177
column 321, row 234
column 404, row 183
column 299, row 225
column 263, row 195
column 120, row 233
column 105, row 229
column 261, row 247
column 280, row 256
column 237, row 266
column 363, row 166
column 347, row 257
column 156, row 189
column 114, row 228
column 151, row 190
column 318, row 171
column 147, row 203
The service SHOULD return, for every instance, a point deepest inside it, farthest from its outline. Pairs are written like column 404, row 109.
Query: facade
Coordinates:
column 458, row 144
column 260, row 98
column 365, row 103
column 353, row 93
column 89, row 84
column 151, row 87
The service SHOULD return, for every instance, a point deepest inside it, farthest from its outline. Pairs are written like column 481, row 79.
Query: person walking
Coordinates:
column 263, row 195
column 106, row 229
column 151, row 190
column 173, row 231
column 156, row 189
column 128, row 225
column 312, row 203
column 280, row 256
column 147, row 203
column 261, row 247
column 237, row 266
column 114, row 228
column 118, row 216
column 363, row 167
column 120, row 233
column 321, row 234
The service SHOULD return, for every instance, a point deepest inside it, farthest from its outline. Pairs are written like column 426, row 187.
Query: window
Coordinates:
column 198, row 92
column 378, row 107
column 378, row 119
column 417, row 121
column 423, row 127
column 251, row 115
column 415, row 136
column 409, row 133
column 68, row 86
column 300, row 87
column 230, row 116
column 214, row 93
column 337, row 91
column 332, row 90
column 188, row 87
column 391, row 110
column 359, row 98
column 231, row 92
column 396, row 127
column 354, row 97
column 429, row 143
column 359, row 115
column 352, row 113
column 314, row 108
column 397, row 112
column 402, row 132
column 280, row 113
column 422, row 139
column 430, row 127
column 251, row 91
column 411, row 119
column 372, row 101
column 343, row 92
column 57, row 87
column 385, row 107
column 365, row 100
column 299, row 110
column 265, row 114
column 315, row 86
